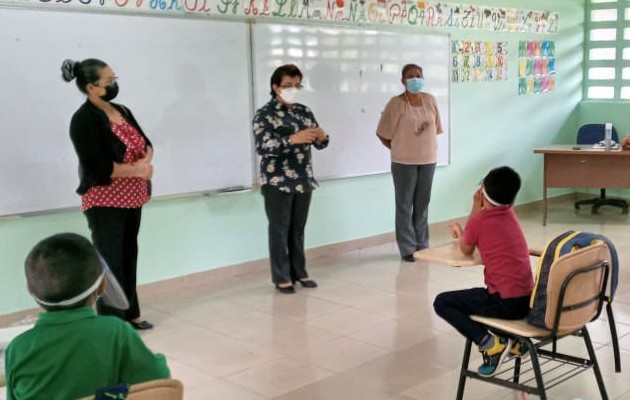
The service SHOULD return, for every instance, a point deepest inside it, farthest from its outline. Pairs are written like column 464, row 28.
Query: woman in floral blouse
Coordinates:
column 284, row 131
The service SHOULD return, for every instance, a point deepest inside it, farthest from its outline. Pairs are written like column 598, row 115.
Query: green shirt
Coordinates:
column 69, row 354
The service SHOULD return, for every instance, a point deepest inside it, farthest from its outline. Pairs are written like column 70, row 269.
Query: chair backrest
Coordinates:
column 159, row 389
column 594, row 133
column 576, row 288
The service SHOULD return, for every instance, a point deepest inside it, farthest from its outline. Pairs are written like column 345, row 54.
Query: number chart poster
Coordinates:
column 536, row 67
column 478, row 61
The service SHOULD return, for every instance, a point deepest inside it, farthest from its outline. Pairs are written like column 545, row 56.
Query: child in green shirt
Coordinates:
column 71, row 351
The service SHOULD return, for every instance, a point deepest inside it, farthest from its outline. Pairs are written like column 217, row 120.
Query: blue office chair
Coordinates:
column 591, row 134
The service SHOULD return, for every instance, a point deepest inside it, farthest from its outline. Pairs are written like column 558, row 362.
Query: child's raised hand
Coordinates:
column 456, row 230
column 477, row 202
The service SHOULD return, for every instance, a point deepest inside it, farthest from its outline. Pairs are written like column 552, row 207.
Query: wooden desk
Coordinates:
column 583, row 168
column 448, row 253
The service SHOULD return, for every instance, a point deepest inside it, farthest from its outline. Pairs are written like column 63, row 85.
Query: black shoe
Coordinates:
column 409, row 258
column 308, row 283
column 141, row 326
column 286, row 290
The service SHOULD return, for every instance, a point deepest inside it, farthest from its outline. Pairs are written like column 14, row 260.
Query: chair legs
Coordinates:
column 540, row 389
column 536, row 367
column 462, row 371
column 593, row 358
column 613, row 334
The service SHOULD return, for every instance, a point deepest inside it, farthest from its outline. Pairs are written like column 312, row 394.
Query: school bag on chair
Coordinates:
column 561, row 245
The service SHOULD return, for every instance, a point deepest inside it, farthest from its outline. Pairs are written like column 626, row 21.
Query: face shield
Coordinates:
column 113, row 295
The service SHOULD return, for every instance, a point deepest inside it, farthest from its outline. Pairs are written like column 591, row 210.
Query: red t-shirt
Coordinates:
column 504, row 252
column 122, row 192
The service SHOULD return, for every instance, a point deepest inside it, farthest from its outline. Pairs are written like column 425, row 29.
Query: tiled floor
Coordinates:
column 368, row 333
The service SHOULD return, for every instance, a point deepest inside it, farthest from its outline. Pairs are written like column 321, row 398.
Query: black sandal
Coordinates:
column 286, row 289
column 308, row 283
column 142, row 325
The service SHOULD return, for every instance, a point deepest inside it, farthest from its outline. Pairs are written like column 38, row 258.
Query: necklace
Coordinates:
column 417, row 129
column 408, row 102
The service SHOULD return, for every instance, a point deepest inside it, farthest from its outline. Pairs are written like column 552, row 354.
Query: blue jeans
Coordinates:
column 456, row 308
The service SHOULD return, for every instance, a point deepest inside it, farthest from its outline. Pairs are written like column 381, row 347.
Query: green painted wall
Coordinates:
column 490, row 126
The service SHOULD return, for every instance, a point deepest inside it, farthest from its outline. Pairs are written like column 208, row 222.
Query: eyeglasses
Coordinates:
column 298, row 87
column 109, row 81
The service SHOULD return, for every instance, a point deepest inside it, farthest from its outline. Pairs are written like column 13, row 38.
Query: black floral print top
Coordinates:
column 284, row 165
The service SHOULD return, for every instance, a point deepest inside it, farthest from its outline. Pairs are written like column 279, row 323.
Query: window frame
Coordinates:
column 619, row 44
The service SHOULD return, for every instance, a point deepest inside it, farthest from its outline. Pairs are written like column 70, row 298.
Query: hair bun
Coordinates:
column 68, row 70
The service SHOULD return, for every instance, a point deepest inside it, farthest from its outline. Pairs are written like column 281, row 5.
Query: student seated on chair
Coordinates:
column 493, row 228
column 71, row 351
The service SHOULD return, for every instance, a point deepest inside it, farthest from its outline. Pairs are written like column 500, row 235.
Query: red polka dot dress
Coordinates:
column 122, row 192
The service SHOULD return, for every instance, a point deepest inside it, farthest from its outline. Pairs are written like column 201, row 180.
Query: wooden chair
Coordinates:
column 160, row 389
column 576, row 292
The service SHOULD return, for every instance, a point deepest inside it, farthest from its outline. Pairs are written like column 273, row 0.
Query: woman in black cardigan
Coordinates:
column 115, row 171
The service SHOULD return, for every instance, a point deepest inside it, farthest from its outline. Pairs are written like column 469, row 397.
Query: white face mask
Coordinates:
column 289, row 95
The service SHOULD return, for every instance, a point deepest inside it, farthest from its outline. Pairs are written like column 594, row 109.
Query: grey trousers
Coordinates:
column 412, row 185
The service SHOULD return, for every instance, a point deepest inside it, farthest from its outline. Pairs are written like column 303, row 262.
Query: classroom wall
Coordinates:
column 491, row 125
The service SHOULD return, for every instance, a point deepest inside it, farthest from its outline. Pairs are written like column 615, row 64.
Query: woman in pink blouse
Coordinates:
column 409, row 126
column 115, row 171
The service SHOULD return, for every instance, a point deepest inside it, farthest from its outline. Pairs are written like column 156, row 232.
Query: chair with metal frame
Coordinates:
column 576, row 293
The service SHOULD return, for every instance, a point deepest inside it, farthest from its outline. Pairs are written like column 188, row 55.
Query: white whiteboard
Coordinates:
column 186, row 81
column 349, row 76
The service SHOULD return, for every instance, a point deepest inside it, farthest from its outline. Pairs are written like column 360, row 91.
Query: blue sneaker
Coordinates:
column 494, row 356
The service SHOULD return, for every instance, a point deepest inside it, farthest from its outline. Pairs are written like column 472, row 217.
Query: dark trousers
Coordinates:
column 287, row 214
column 412, row 186
column 457, row 306
column 115, row 235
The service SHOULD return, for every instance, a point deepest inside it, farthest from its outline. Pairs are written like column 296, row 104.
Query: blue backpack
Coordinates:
column 561, row 245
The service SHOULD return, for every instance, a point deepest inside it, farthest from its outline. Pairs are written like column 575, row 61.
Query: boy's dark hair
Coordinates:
column 61, row 267
column 282, row 71
column 502, row 185
column 409, row 67
column 86, row 71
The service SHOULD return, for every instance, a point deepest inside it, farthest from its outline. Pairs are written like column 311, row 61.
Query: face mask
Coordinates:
column 414, row 85
column 289, row 95
column 111, row 91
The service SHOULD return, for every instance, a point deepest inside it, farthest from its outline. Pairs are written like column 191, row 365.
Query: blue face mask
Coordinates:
column 414, row 85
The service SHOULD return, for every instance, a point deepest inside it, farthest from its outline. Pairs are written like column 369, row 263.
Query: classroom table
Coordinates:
column 571, row 166
column 448, row 253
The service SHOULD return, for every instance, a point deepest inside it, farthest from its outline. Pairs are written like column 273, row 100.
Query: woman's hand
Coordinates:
column 386, row 142
column 625, row 143
column 305, row 136
column 321, row 135
column 139, row 169
column 144, row 169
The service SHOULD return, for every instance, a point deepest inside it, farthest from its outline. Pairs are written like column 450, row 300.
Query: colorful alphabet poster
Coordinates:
column 426, row 14
column 478, row 61
column 536, row 67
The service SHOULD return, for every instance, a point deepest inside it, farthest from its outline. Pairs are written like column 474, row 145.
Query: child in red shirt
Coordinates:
column 492, row 227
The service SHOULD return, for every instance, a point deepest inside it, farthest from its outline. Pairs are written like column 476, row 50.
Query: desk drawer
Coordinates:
column 599, row 170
